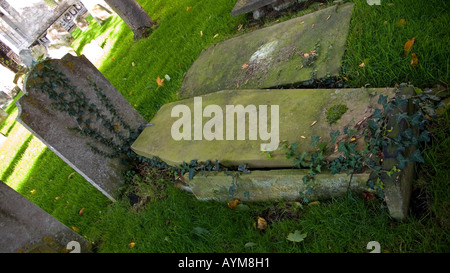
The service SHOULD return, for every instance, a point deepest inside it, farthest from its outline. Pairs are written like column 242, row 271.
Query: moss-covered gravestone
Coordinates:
column 77, row 113
column 290, row 53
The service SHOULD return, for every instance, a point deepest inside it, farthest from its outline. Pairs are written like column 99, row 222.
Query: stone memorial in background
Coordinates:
column 291, row 53
column 26, row 228
column 74, row 110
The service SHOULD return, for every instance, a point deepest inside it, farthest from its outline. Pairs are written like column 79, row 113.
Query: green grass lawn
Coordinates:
column 176, row 221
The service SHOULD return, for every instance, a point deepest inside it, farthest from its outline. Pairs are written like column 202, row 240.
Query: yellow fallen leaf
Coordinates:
column 362, row 65
column 75, row 229
column 201, row 32
column 401, row 22
column 131, row 92
column 232, row 204
column 188, row 8
column 409, row 44
column 33, row 191
column 116, row 127
column 215, row 36
column 240, row 27
column 131, row 245
column 160, row 81
column 261, row 223
column 133, row 64
column 414, row 60
column 352, row 139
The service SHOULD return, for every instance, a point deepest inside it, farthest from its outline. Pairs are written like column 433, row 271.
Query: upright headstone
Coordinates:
column 74, row 110
column 24, row 227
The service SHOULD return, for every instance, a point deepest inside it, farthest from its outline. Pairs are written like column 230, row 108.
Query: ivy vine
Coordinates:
column 92, row 120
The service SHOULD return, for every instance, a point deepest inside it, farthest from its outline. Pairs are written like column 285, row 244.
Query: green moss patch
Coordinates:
column 335, row 112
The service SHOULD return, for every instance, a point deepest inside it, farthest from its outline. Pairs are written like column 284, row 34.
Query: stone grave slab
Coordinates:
column 275, row 185
column 77, row 113
column 302, row 114
column 24, row 227
column 245, row 6
column 285, row 54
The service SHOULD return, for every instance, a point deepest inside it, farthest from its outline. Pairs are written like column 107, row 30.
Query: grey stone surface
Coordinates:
column 24, row 227
column 245, row 6
column 38, row 115
column 3, row 115
column 275, row 185
column 289, row 53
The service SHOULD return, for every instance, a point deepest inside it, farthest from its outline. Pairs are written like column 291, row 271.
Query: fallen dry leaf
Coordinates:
column 313, row 203
column 312, row 26
column 303, row 137
column 328, row 17
column 201, row 32
column 75, row 229
column 188, row 8
column 244, row 66
column 160, row 81
column 362, row 65
column 409, row 44
column 131, row 245
column 312, row 124
column 414, row 60
column 133, row 64
column 215, row 36
column 81, row 211
column 401, row 22
column 369, row 197
column 116, row 127
column 33, row 191
column 261, row 223
column 232, row 204
column 240, row 27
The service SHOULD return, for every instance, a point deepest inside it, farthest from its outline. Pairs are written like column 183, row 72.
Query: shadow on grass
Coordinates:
column 17, row 158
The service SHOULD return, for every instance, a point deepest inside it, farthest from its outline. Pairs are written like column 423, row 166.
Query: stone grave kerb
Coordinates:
column 79, row 115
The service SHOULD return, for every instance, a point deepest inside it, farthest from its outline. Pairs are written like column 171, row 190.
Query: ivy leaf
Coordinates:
column 424, row 137
column 416, row 157
column 334, row 135
column 402, row 161
column 296, row 237
column 314, row 140
column 377, row 114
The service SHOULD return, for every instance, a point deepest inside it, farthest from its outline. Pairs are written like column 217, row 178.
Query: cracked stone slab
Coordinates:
column 287, row 53
column 275, row 185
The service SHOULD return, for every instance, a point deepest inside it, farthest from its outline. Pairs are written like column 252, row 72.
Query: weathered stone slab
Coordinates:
column 274, row 56
column 24, row 227
column 76, row 112
column 275, row 185
column 245, row 6
column 302, row 114
column 3, row 115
